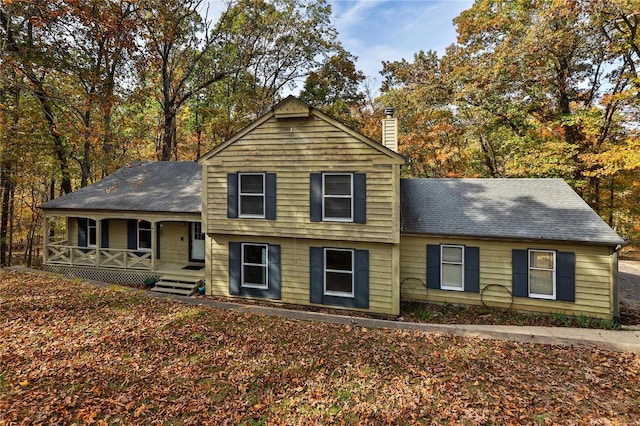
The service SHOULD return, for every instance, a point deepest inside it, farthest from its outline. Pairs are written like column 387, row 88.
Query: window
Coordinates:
column 338, row 197
column 338, row 272
column 198, row 235
column 542, row 274
column 91, row 233
column 254, row 270
column 254, row 266
column 452, row 267
column 144, row 235
column 251, row 195
column 337, row 201
column 339, row 277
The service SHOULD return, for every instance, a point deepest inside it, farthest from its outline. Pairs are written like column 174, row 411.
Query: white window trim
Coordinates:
column 324, row 195
column 265, row 265
column 138, row 223
column 252, row 194
column 325, row 270
column 89, row 227
column 443, row 262
column 529, row 268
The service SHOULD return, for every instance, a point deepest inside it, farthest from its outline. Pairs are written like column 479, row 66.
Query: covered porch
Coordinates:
column 125, row 249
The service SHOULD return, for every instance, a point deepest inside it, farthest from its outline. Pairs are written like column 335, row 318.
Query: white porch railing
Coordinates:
column 60, row 253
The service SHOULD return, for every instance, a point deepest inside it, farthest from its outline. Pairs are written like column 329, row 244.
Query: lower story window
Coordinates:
column 254, row 270
column 91, row 234
column 338, row 272
column 144, row 235
column 339, row 277
column 452, row 267
column 542, row 274
column 254, row 266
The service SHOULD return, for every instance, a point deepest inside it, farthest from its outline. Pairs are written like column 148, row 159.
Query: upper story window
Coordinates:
column 542, row 274
column 338, row 197
column 251, row 195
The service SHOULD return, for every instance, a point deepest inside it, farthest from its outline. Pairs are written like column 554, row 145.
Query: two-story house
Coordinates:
column 299, row 209
column 302, row 209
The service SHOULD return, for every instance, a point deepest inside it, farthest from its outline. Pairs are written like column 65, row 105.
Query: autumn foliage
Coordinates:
column 77, row 353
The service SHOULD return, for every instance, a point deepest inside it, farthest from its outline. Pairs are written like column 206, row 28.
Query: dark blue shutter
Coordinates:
column 520, row 273
column 274, row 272
column 361, row 279
column 472, row 269
column 270, row 196
column 104, row 233
column 566, row 276
column 433, row 266
column 232, row 195
column 235, row 265
column 315, row 192
column 316, row 274
column 132, row 234
column 83, row 227
column 158, row 239
column 360, row 198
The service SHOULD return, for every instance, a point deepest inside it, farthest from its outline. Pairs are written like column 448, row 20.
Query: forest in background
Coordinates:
column 531, row 88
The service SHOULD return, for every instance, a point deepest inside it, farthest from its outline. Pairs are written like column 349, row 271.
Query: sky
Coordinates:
column 390, row 30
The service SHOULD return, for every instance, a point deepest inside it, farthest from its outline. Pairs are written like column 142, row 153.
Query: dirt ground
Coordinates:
column 629, row 280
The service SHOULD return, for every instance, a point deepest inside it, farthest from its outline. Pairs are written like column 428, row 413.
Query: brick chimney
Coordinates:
column 390, row 130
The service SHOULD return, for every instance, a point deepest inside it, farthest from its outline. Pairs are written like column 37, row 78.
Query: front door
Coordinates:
column 197, row 242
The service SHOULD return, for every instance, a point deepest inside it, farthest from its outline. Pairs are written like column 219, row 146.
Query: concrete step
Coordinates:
column 176, row 284
column 178, row 291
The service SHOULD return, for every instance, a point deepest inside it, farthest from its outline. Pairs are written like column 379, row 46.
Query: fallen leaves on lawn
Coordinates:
column 75, row 353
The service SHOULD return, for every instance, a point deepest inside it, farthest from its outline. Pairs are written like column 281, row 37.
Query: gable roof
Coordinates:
column 293, row 108
column 530, row 209
column 166, row 186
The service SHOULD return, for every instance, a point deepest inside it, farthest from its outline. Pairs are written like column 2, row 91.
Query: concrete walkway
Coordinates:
column 626, row 340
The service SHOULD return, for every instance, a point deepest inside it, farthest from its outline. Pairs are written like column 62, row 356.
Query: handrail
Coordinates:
column 58, row 254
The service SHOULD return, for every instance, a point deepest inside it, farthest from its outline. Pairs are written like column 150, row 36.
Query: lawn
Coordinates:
column 74, row 353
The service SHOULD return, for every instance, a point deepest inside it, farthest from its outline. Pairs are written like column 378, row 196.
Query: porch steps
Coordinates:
column 176, row 284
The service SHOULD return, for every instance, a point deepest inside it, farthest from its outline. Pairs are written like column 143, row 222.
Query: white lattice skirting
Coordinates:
column 114, row 276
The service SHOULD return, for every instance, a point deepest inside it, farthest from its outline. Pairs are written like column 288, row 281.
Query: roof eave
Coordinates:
column 515, row 238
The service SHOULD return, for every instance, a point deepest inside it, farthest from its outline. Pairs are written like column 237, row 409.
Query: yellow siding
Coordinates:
column 174, row 242
column 293, row 149
column 593, row 277
column 295, row 270
column 118, row 234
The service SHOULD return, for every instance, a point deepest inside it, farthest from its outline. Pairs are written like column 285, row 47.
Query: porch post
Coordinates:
column 45, row 239
column 153, row 245
column 98, row 239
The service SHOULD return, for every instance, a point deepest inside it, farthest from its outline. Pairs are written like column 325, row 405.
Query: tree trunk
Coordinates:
column 5, row 185
column 59, row 149
column 169, row 135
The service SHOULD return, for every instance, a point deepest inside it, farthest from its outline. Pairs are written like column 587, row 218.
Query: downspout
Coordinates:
column 614, row 282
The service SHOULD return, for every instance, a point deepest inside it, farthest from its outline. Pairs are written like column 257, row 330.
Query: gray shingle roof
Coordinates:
column 532, row 209
column 171, row 186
